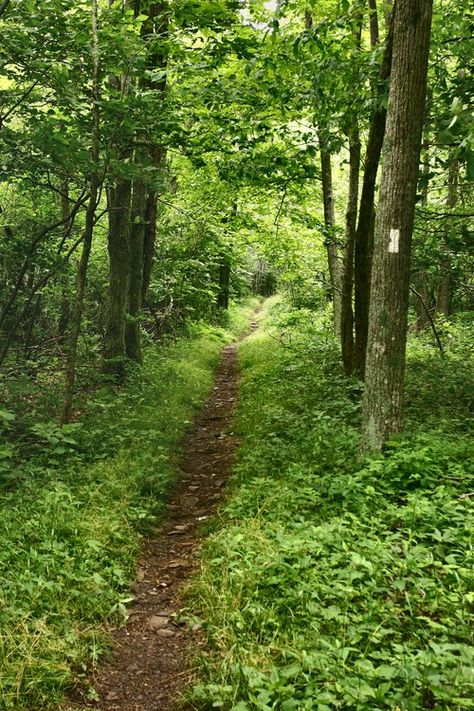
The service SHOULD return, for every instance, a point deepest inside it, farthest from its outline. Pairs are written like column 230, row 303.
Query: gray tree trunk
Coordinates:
column 385, row 365
column 135, row 285
column 347, row 314
column 347, row 282
column 78, row 308
column 119, row 271
column 330, row 238
column 374, row 23
column 365, row 224
column 444, row 287
column 421, row 280
column 156, row 27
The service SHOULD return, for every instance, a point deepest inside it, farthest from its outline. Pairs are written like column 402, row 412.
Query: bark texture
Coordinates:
column 81, row 280
column 330, row 224
column 224, row 283
column 347, row 282
column 444, row 287
column 365, row 225
column 383, row 395
column 155, row 30
column 421, row 283
column 137, row 238
column 347, row 314
column 374, row 23
column 119, row 265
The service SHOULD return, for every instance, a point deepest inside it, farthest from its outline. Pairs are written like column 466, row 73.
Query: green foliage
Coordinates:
column 71, row 526
column 442, row 389
column 217, row 107
column 335, row 583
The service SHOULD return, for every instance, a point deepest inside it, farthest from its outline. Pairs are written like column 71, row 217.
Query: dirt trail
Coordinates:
column 151, row 664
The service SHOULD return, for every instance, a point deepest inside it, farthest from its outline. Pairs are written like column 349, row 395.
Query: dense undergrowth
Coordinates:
column 336, row 583
column 75, row 501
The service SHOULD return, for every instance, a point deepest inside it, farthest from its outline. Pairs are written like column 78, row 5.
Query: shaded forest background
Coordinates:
column 157, row 159
column 165, row 167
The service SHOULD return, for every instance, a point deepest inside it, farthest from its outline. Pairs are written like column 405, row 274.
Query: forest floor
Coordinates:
column 151, row 663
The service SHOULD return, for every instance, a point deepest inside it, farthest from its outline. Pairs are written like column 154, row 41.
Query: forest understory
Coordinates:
column 325, row 581
column 236, row 355
column 332, row 581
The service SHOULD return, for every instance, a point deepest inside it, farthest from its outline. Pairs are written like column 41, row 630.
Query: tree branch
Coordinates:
column 430, row 319
column 37, row 239
column 427, row 214
column 4, row 7
column 17, row 103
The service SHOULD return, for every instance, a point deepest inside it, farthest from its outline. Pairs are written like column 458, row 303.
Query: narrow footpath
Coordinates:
column 152, row 660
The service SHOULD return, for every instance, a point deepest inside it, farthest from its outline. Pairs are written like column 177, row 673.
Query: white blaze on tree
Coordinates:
column 394, row 242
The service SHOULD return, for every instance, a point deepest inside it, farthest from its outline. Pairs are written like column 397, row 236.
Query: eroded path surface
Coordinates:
column 151, row 664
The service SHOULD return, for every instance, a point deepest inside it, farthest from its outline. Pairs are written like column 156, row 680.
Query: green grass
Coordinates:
column 71, row 526
column 332, row 583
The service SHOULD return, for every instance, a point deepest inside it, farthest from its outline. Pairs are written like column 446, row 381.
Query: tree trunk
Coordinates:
column 443, row 292
column 329, row 217
column 422, row 288
column 420, row 279
column 365, row 224
column 444, row 288
column 374, row 23
column 224, row 281
column 347, row 315
column 330, row 224
column 29, row 333
column 135, row 286
column 347, row 283
column 4, row 7
column 88, row 229
column 149, row 240
column 383, row 395
column 65, row 307
column 119, row 205
column 157, row 26
column 118, row 198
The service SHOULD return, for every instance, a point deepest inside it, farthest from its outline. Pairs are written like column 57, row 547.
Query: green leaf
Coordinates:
column 6, row 415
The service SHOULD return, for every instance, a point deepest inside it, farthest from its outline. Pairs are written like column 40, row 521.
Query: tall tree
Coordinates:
column 118, row 203
column 347, row 314
column 365, row 223
column 444, row 286
column 347, row 282
column 383, row 395
column 135, row 279
column 329, row 214
column 119, row 196
column 89, row 225
column 155, row 32
column 329, row 227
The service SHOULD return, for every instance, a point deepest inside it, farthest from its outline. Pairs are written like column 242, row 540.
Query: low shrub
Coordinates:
column 75, row 503
column 334, row 583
